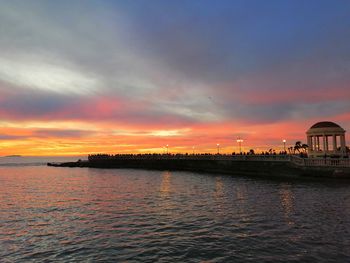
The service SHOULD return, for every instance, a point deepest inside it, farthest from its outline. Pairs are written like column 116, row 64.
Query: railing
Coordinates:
column 324, row 162
column 327, row 162
column 296, row 160
column 218, row 157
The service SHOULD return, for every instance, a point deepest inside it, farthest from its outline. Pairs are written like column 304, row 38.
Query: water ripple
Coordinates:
column 63, row 215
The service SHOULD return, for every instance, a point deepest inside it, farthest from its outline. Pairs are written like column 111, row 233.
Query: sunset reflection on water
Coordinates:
column 122, row 215
column 287, row 201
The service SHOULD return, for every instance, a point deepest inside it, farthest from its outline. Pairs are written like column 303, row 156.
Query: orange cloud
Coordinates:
column 109, row 138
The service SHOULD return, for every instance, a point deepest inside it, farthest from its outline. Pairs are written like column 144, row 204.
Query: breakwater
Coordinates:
column 250, row 165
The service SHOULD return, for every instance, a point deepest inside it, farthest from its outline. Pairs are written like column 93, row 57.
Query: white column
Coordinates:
column 310, row 145
column 315, row 143
column 324, row 143
column 342, row 143
column 309, row 142
column 318, row 143
column 334, row 143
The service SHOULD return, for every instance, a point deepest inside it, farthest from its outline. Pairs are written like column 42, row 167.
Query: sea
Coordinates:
column 52, row 214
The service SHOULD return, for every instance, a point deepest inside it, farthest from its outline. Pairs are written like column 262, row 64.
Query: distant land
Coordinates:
column 15, row 155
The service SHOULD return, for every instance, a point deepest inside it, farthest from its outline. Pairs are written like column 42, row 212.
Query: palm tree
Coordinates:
column 297, row 146
column 304, row 147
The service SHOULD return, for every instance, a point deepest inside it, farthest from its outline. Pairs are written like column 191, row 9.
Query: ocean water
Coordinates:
column 36, row 161
column 52, row 214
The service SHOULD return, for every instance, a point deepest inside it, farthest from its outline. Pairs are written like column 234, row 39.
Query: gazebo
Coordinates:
column 326, row 138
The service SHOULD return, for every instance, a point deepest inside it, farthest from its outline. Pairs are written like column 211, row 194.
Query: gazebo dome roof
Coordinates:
column 323, row 127
column 325, row 124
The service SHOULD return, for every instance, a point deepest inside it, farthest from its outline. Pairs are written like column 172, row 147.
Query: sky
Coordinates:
column 80, row 77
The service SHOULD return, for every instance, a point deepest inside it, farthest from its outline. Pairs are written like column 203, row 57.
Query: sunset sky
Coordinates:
column 79, row 77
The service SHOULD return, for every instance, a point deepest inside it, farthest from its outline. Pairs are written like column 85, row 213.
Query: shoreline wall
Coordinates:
column 263, row 168
column 249, row 165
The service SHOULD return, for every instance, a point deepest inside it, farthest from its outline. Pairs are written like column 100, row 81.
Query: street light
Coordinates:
column 167, row 149
column 239, row 140
column 284, row 145
column 193, row 150
column 218, row 145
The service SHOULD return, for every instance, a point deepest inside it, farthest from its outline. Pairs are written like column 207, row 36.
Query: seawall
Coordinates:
column 266, row 167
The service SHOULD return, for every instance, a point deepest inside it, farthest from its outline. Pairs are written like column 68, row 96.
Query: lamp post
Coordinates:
column 167, row 149
column 284, row 145
column 193, row 150
column 239, row 140
column 218, row 146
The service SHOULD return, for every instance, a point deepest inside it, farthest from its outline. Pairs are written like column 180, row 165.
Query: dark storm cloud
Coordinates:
column 66, row 133
column 33, row 105
column 12, row 137
column 39, row 105
column 221, row 41
column 176, row 62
